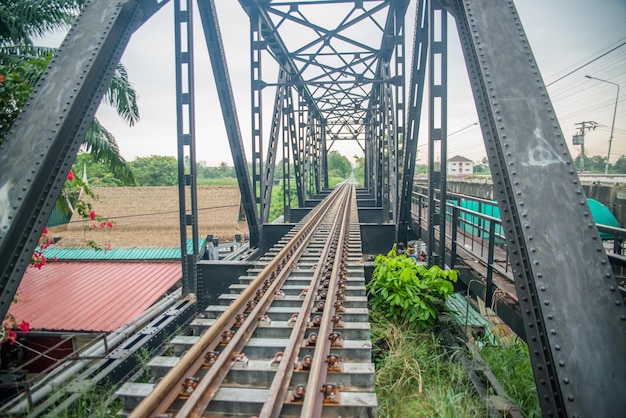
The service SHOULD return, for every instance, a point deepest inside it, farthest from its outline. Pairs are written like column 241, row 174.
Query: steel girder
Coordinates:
column 186, row 141
column 574, row 316
column 295, row 147
column 437, row 127
column 215, row 47
column 272, row 148
column 416, row 89
column 333, row 72
column 42, row 144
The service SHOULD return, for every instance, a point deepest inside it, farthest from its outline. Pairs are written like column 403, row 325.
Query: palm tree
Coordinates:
column 21, row 64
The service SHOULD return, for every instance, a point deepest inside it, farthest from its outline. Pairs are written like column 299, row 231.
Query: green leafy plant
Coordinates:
column 408, row 292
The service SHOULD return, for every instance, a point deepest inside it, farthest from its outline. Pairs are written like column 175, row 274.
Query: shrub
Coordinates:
column 407, row 292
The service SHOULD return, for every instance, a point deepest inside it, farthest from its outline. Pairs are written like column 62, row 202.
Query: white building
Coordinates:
column 459, row 166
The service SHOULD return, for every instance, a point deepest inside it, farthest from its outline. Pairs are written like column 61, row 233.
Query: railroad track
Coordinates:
column 291, row 339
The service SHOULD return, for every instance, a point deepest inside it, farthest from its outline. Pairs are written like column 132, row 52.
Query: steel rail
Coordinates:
column 163, row 394
column 209, row 384
column 313, row 400
column 280, row 384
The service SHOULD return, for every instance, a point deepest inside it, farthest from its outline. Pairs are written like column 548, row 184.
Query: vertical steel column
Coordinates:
column 368, row 158
column 215, row 46
column 272, row 148
column 302, row 146
column 400, row 92
column 286, row 141
column 185, row 132
column 573, row 313
column 416, row 95
column 437, row 123
column 309, row 152
column 317, row 170
column 453, row 244
column 295, row 147
column 324, row 159
column 390, row 145
column 256, row 83
column 379, row 138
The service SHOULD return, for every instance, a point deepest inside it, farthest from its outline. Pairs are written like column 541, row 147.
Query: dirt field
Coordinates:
column 148, row 217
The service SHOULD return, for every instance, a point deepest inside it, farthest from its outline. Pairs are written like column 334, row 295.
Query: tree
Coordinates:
column 156, row 170
column 21, row 65
column 338, row 165
column 98, row 174
column 359, row 170
column 620, row 165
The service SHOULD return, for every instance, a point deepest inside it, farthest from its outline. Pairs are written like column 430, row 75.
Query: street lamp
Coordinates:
column 606, row 168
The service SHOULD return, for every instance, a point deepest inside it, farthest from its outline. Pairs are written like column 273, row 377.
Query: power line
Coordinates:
column 587, row 63
column 169, row 212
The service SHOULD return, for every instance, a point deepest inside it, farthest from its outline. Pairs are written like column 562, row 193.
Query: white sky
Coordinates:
column 564, row 34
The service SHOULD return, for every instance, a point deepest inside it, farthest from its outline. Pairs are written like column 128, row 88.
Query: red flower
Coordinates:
column 45, row 230
column 24, row 327
column 1, row 78
column 11, row 336
column 70, row 175
column 55, row 258
column 92, row 215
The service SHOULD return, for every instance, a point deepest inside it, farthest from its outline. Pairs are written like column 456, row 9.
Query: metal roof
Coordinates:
column 94, row 296
column 119, row 253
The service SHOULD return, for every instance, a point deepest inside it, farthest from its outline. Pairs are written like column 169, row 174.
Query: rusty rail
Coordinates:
column 168, row 389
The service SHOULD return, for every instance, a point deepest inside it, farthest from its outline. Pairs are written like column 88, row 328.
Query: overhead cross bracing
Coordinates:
column 333, row 85
column 346, row 67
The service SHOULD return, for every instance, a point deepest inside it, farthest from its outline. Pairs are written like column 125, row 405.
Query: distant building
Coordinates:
column 460, row 166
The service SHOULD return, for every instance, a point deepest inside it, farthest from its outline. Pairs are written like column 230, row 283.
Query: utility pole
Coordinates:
column 579, row 139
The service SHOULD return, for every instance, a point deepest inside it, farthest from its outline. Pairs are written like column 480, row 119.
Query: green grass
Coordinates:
column 416, row 377
column 96, row 402
column 511, row 365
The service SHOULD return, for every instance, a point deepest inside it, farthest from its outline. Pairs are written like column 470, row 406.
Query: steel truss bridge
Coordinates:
column 356, row 81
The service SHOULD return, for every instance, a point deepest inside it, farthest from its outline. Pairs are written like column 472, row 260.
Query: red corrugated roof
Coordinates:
column 90, row 296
